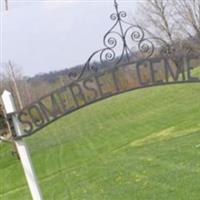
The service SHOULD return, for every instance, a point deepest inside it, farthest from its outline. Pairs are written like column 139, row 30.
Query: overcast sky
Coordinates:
column 42, row 36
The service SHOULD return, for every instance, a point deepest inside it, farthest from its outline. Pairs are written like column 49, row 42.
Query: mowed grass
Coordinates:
column 140, row 145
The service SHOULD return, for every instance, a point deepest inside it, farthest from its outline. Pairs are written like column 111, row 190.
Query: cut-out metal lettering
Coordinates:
column 104, row 84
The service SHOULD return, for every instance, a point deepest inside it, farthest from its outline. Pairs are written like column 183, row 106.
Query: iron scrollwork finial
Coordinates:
column 116, row 4
column 122, row 43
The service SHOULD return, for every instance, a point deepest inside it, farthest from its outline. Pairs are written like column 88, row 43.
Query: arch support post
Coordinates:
column 22, row 149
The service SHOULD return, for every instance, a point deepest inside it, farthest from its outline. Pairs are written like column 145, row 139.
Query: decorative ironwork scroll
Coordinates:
column 123, row 43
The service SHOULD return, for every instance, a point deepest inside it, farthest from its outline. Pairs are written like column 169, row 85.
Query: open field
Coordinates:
column 141, row 145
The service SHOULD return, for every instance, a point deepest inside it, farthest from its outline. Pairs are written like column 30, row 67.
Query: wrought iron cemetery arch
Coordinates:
column 91, row 78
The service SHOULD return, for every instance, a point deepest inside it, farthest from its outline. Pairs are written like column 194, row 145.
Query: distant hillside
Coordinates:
column 53, row 76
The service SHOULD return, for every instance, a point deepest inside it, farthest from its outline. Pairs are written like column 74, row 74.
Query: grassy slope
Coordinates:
column 140, row 145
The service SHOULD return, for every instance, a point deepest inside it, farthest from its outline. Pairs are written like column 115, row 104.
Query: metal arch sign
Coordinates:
column 107, row 73
column 99, row 86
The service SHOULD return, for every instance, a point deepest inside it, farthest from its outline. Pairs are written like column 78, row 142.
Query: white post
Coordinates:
column 22, row 148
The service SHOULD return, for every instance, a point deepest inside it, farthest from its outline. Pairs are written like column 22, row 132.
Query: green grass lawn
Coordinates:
column 142, row 145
